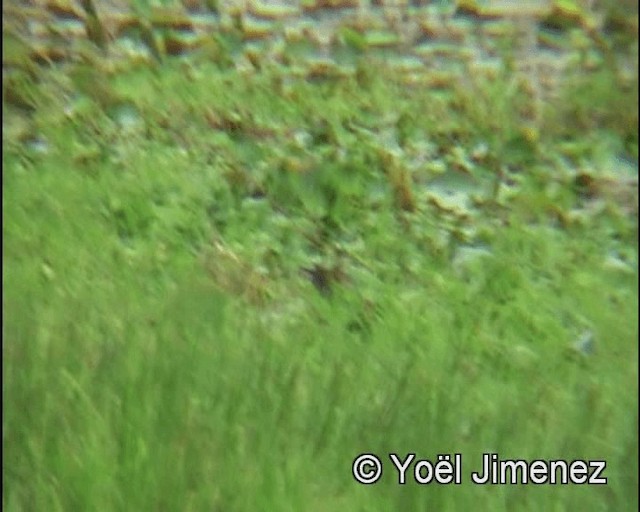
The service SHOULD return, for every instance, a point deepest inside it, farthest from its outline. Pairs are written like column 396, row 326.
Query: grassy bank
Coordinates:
column 222, row 285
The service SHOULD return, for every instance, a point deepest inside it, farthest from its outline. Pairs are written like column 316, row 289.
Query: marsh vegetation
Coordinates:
column 244, row 244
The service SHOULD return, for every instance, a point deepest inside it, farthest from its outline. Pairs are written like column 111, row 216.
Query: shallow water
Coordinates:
column 440, row 35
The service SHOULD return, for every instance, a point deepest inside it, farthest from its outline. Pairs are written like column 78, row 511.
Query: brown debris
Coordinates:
column 400, row 180
column 234, row 275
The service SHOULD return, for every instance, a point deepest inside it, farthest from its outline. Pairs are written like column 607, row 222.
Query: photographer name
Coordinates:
column 367, row 469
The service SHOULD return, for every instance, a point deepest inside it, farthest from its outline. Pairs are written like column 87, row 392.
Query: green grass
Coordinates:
column 164, row 351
